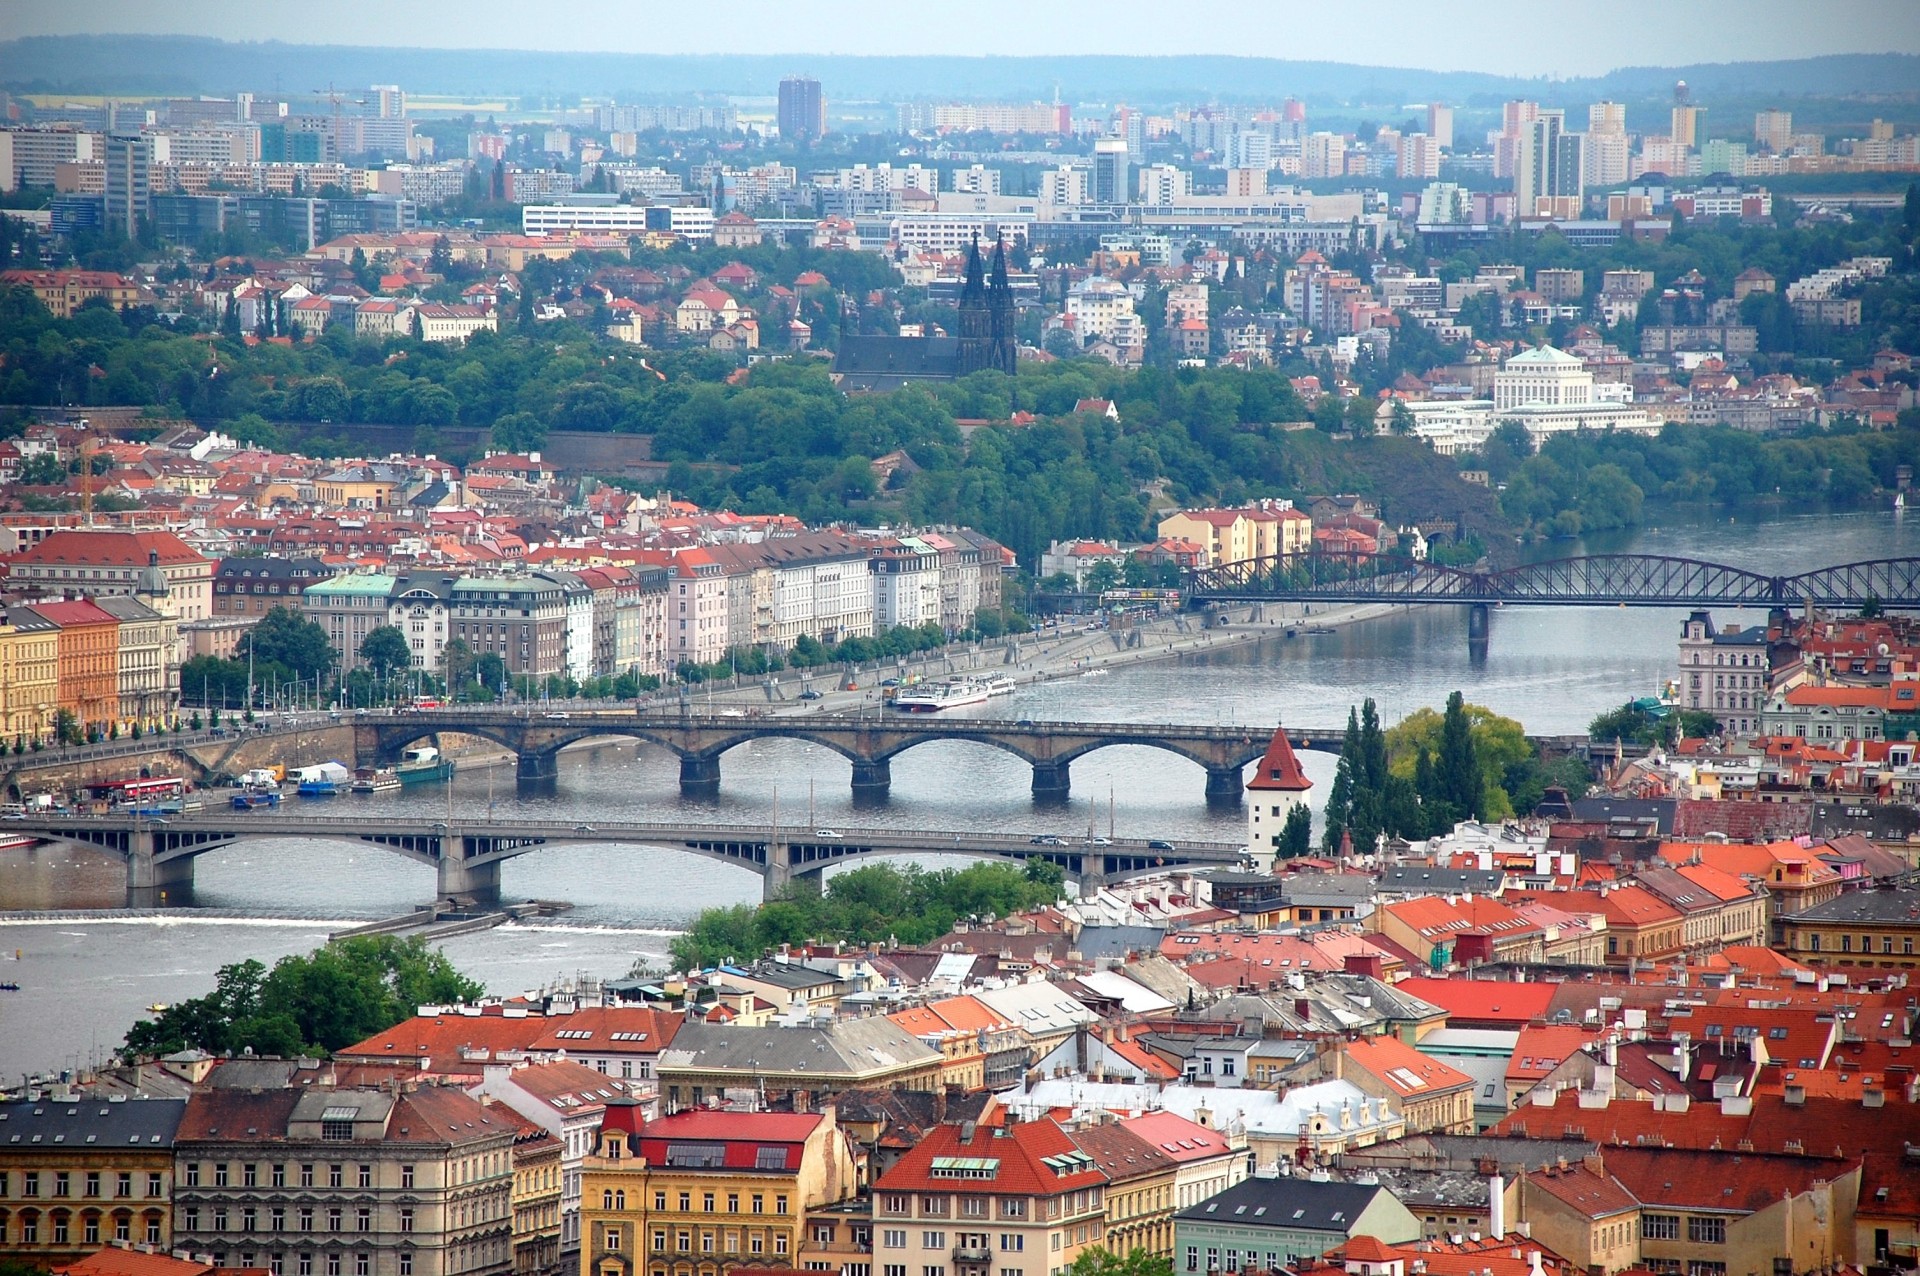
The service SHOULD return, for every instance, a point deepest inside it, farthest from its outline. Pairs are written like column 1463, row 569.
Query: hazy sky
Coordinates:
column 1546, row 37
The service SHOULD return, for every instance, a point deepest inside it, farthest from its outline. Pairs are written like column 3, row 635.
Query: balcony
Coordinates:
column 975, row 1254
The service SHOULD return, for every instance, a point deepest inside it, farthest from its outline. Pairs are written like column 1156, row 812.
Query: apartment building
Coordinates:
column 1233, row 535
column 29, row 674
column 521, row 619
column 76, row 1175
column 1019, row 1200
column 702, row 1193
column 346, row 1181
column 90, row 562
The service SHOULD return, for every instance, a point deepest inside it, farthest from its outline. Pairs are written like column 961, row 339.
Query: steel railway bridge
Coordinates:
column 1600, row 580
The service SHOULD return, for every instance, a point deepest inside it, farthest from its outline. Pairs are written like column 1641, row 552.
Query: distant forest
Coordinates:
column 166, row 65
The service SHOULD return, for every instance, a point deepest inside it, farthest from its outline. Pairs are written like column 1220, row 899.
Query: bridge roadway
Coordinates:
column 467, row 854
column 869, row 742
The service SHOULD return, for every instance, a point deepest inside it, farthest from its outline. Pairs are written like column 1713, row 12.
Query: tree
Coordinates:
column 1456, row 774
column 1102, row 577
column 312, row 1003
column 43, row 469
column 1296, row 834
column 519, row 432
column 386, row 650
column 1103, row 1262
column 282, row 637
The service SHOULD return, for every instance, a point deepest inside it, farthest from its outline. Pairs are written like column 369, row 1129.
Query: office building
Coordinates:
column 1111, row 184
column 802, row 113
column 1440, row 125
column 129, row 156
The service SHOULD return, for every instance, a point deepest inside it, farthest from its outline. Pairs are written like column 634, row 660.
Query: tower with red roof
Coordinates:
column 1276, row 787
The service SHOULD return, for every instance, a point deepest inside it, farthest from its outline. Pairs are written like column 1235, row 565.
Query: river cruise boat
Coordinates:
column 932, row 697
column 368, row 779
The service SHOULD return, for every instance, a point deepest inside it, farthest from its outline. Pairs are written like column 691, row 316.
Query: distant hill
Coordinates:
column 184, row 65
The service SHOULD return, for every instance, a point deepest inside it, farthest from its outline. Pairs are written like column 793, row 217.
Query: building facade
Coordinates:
column 76, row 1176
column 346, row 1182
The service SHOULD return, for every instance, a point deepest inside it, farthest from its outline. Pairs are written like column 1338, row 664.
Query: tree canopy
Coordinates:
column 869, row 904
column 311, row 1004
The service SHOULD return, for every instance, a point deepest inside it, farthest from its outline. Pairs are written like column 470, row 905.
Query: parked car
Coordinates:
column 810, row 694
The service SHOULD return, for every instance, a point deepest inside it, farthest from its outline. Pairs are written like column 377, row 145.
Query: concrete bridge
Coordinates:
column 869, row 743
column 467, row 854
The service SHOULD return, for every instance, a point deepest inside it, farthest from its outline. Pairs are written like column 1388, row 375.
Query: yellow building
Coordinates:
column 29, row 675
column 1140, row 1188
column 972, row 1200
column 700, row 1193
column 75, row 1178
column 1859, row 928
column 1233, row 535
column 535, row 1201
column 361, row 487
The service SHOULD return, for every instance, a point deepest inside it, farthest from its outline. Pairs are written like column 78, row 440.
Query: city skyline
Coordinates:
column 1455, row 37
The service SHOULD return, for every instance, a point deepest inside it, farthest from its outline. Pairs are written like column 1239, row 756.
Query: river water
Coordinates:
column 85, row 977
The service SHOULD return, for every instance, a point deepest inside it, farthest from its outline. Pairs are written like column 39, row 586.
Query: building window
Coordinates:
column 1706, row 1230
column 306, row 1218
column 893, row 1238
column 220, row 1174
column 366, row 1176
column 406, row 1263
column 155, row 1186
column 248, row 1175
column 406, row 1176
column 279, row 1175
column 93, row 1183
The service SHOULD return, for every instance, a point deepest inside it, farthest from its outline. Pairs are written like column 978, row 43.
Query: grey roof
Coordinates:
column 849, row 1048
column 1603, row 810
column 1296, row 1204
column 874, row 362
column 1467, row 1151
column 124, row 607
column 1450, row 1189
column 1881, row 906
column 1301, row 888
column 1418, row 879
column 50, row 1124
column 782, row 975
column 1095, row 942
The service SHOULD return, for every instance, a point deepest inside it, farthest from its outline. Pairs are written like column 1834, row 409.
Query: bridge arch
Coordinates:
column 392, row 743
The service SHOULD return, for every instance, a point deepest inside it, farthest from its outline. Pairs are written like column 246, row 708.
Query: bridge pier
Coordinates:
column 152, row 884
column 537, row 769
column 1479, row 629
column 873, row 776
column 777, row 875
column 699, row 775
column 1052, row 782
column 1224, row 786
column 464, row 883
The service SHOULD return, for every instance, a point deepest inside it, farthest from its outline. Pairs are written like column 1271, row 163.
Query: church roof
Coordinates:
column 878, row 362
column 1280, row 770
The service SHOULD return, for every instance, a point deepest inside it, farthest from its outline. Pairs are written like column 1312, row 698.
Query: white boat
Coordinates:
column 999, row 684
column 934, row 696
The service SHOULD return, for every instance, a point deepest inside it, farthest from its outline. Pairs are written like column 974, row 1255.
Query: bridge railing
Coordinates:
column 452, row 719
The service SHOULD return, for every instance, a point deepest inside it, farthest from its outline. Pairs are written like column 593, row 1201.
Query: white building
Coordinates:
column 906, row 583
column 1065, row 185
column 1551, row 392
column 1163, row 184
column 1101, row 308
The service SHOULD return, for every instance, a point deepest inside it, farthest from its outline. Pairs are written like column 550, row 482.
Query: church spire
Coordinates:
column 973, row 289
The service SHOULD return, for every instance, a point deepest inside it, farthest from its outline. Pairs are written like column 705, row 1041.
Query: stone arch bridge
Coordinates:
column 466, row 855
column 869, row 743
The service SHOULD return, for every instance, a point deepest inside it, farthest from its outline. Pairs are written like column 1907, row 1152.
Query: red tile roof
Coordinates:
column 1404, row 1070
column 1019, row 1153
column 1179, row 1138
column 1279, row 769
column 1590, row 1193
